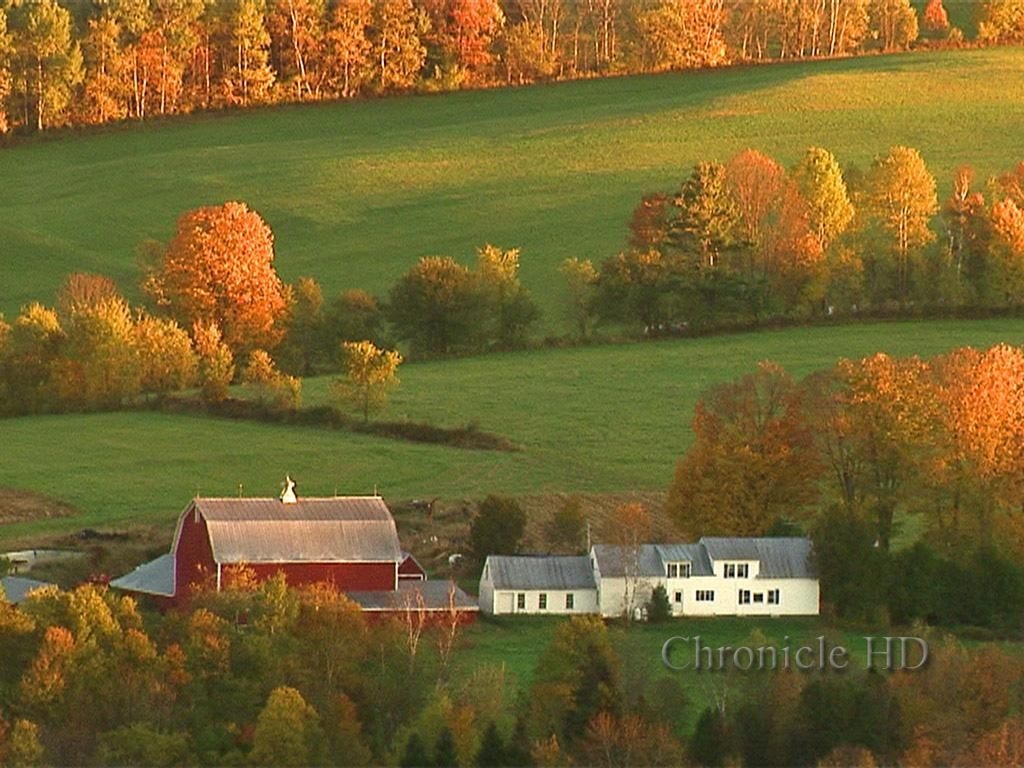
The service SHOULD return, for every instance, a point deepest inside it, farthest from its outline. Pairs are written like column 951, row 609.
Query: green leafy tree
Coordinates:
column 511, row 305
column 577, row 677
column 415, row 753
column 707, row 218
column 369, row 374
column 437, row 307
column 143, row 745
column 498, row 527
column 580, row 281
column 567, row 528
column 444, row 750
column 288, row 731
column 492, row 748
column 658, row 607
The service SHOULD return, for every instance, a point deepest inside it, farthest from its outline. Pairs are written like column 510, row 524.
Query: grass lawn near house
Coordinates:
column 356, row 192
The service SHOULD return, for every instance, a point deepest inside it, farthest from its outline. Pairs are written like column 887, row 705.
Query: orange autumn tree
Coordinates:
column 888, row 415
column 218, row 270
column 981, row 401
column 752, row 462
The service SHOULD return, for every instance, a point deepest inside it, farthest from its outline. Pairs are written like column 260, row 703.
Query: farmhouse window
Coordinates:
column 705, row 595
column 743, row 570
column 730, row 570
column 570, row 601
column 773, row 597
column 673, row 570
column 759, row 597
column 542, row 601
column 679, row 597
column 744, row 597
column 521, row 601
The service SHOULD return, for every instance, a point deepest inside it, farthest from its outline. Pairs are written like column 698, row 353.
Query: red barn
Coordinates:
column 350, row 542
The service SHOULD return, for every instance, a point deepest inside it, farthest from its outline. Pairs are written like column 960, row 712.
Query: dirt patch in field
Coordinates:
column 22, row 506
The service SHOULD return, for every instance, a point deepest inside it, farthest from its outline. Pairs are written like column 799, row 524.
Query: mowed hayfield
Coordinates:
column 355, row 193
column 601, row 419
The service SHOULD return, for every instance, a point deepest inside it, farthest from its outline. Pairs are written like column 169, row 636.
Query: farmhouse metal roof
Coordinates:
column 780, row 558
column 695, row 554
column 16, row 588
column 153, row 578
column 549, row 572
column 416, row 595
column 613, row 560
column 340, row 529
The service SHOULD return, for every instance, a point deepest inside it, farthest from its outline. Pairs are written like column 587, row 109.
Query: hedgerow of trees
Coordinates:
column 740, row 244
column 748, row 242
column 64, row 62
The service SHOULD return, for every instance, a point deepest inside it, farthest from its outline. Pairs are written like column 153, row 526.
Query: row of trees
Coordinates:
column 877, row 439
column 64, row 62
column 748, row 240
column 266, row 675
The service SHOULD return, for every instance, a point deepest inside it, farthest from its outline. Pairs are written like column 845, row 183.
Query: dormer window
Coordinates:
column 737, row 570
column 677, row 570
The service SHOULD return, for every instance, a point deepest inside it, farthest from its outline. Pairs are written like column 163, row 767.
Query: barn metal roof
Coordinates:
column 780, row 558
column 549, row 572
column 153, row 578
column 434, row 594
column 16, row 588
column 340, row 529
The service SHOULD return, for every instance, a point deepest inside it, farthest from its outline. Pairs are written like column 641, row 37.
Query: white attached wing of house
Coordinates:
column 538, row 585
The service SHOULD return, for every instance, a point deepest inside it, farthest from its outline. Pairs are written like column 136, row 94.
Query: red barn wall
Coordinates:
column 410, row 569
column 193, row 558
column 361, row 577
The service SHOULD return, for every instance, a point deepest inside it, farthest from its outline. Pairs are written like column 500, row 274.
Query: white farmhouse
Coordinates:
column 714, row 577
column 544, row 585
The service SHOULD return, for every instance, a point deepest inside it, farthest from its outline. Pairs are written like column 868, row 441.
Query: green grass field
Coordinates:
column 356, row 192
column 595, row 419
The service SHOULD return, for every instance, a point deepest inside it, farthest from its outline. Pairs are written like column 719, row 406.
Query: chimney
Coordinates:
column 288, row 494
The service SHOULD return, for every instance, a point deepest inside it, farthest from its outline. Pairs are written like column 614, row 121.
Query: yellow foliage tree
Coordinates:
column 369, row 374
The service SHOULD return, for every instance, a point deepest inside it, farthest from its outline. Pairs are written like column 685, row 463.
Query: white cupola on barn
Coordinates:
column 288, row 494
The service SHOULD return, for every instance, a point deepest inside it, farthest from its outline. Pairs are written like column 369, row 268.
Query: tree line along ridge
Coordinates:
column 74, row 63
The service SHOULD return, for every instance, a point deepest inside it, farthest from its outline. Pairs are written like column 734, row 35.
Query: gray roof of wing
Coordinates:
column 547, row 572
column 780, row 558
column 612, row 560
column 153, row 578
column 434, row 594
column 342, row 529
column 16, row 588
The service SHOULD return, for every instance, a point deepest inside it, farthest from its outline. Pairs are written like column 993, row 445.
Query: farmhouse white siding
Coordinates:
column 714, row 577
